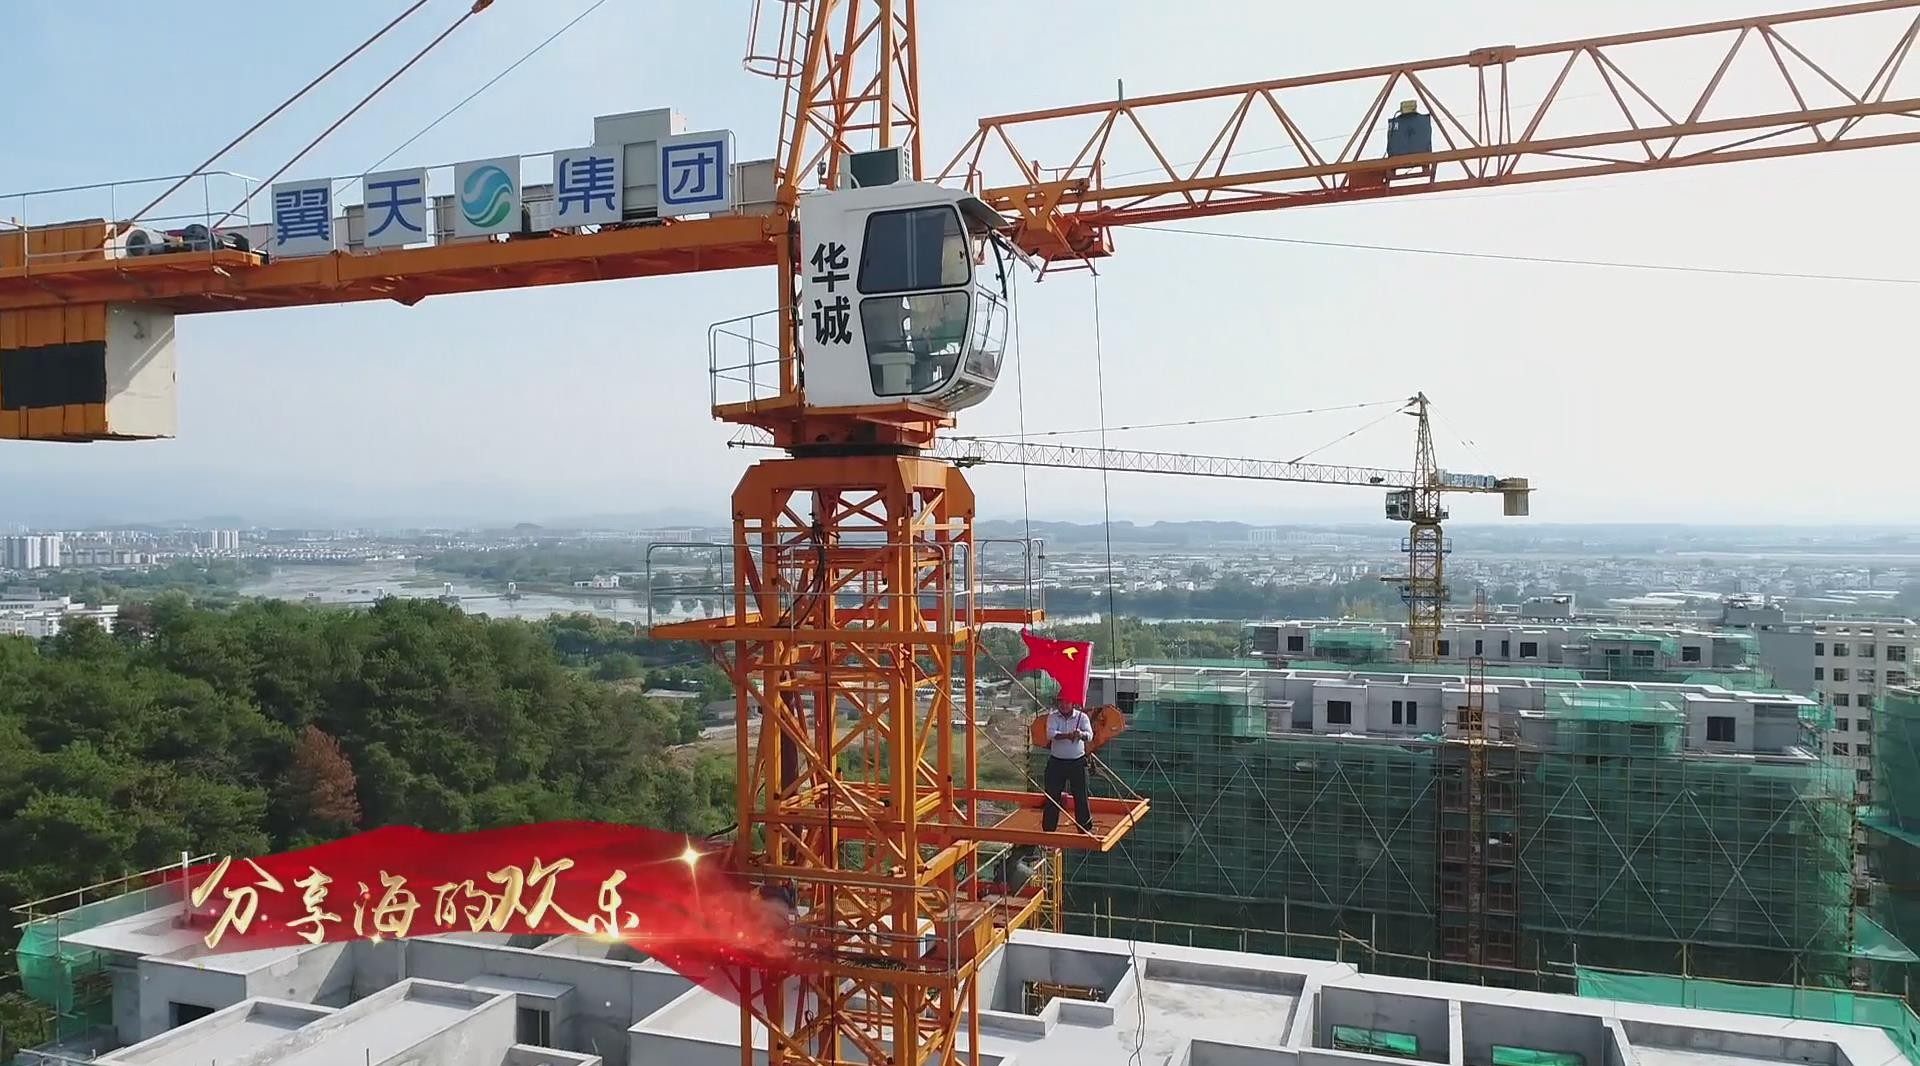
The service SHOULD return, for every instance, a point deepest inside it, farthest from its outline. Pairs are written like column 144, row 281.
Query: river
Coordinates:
column 367, row 582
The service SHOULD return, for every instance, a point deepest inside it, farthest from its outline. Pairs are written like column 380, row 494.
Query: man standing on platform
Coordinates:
column 1068, row 733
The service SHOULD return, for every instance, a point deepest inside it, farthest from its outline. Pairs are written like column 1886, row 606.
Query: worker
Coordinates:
column 1068, row 733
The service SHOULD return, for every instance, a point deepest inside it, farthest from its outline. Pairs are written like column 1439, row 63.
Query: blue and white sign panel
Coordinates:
column 302, row 218
column 396, row 208
column 696, row 173
column 587, row 186
column 486, row 197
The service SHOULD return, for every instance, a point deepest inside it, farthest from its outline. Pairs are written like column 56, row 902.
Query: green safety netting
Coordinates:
column 1375, row 1041
column 1507, row 1055
column 1617, row 844
column 1350, row 644
column 70, row 979
column 1890, row 1014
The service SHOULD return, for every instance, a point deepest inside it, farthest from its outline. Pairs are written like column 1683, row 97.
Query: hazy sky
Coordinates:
column 1624, row 395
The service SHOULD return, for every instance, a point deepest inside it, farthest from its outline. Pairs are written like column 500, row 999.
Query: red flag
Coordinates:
column 661, row 892
column 1069, row 661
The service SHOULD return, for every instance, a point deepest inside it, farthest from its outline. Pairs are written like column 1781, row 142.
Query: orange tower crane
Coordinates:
column 853, row 575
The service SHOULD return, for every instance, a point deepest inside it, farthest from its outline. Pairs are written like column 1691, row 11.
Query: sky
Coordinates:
column 1625, row 395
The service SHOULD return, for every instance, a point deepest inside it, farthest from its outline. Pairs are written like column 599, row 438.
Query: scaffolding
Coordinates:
column 1894, row 818
column 73, row 982
column 1591, row 833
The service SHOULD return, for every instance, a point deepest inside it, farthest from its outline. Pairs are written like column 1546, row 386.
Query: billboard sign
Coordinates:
column 302, row 218
column 486, row 195
column 396, row 208
column 696, row 173
column 587, row 185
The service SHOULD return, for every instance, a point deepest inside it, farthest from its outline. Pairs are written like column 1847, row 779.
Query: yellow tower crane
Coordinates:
column 1415, row 497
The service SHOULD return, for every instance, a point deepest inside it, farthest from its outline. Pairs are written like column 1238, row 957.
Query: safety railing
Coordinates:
column 172, row 215
column 688, row 580
column 743, row 359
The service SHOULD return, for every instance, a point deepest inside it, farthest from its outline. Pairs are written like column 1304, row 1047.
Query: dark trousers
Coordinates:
column 1062, row 775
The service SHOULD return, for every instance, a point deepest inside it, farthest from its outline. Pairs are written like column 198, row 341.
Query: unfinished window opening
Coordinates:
column 1339, row 712
column 1720, row 728
column 1529, row 649
column 1500, row 947
column 1690, row 653
column 1500, row 846
column 532, row 1025
column 1296, row 642
column 180, row 1014
column 1501, row 898
column 1444, row 647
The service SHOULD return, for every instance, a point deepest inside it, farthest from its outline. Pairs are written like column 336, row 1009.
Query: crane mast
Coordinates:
column 1424, row 587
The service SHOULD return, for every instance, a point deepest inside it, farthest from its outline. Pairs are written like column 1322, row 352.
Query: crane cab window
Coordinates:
column 913, row 342
column 919, row 248
column 923, row 316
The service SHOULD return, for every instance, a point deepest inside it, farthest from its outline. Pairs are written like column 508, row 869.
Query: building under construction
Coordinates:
column 1892, row 823
column 1501, row 828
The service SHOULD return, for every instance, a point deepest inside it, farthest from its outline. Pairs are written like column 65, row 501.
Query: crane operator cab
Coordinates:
column 903, row 296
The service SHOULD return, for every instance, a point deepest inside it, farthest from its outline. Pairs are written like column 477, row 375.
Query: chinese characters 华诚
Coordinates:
column 523, row 893
column 832, row 321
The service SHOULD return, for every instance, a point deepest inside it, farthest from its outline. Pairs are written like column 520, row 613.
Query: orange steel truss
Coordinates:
column 1657, row 107
column 852, row 73
column 854, row 607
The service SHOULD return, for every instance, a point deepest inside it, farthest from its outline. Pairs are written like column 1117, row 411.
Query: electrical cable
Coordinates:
column 1610, row 264
column 1182, row 423
column 478, row 6
column 469, row 98
column 284, row 104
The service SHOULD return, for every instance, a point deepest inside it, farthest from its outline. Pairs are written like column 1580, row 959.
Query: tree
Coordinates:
column 617, row 666
column 322, row 783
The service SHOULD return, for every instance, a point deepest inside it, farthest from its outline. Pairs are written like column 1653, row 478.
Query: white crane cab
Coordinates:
column 903, row 297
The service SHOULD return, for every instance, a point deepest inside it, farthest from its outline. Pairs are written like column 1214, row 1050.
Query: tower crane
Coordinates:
column 853, row 586
column 1415, row 497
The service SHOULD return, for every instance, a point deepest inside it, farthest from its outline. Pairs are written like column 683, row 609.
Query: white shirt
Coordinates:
column 1068, row 722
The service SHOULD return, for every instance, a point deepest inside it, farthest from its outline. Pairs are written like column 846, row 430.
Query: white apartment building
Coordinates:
column 39, row 617
column 217, row 540
column 31, row 552
column 1854, row 663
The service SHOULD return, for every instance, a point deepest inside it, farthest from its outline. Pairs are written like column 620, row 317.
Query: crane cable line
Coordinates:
column 478, row 6
column 1024, row 435
column 1611, row 264
column 284, row 104
column 469, row 98
column 1113, row 614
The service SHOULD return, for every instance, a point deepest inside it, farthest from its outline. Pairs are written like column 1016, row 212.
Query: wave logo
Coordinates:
column 486, row 196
